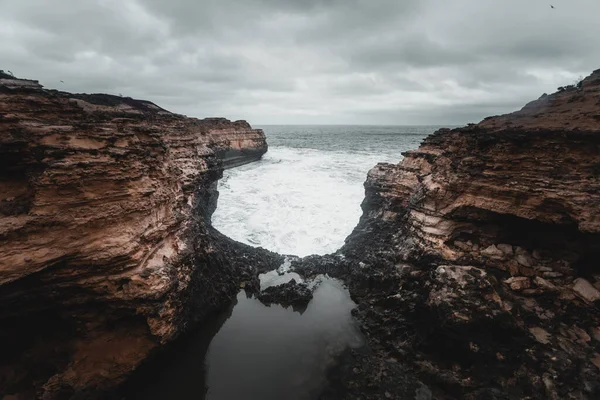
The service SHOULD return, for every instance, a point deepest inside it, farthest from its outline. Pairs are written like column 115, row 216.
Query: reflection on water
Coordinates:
column 259, row 352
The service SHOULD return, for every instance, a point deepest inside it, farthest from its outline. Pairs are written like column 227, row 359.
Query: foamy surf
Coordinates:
column 294, row 201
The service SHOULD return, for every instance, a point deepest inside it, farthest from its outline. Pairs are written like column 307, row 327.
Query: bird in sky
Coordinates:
column 551, row 6
column 62, row 81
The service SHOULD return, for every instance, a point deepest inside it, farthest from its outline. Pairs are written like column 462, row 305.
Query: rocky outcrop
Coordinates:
column 476, row 261
column 106, row 249
column 289, row 294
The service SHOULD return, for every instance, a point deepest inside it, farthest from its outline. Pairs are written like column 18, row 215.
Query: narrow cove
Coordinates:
column 256, row 351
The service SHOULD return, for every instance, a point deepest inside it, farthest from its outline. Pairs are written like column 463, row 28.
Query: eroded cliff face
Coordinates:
column 476, row 261
column 106, row 246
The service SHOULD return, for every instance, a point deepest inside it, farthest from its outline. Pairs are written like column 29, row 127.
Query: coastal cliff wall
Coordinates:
column 476, row 260
column 474, row 265
column 106, row 246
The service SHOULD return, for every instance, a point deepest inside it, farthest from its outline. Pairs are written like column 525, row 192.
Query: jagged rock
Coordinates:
column 106, row 246
column 528, row 178
column 585, row 290
column 525, row 260
column 541, row 335
column 506, row 249
column 544, row 284
column 294, row 294
column 581, row 334
column 494, row 253
column 518, row 283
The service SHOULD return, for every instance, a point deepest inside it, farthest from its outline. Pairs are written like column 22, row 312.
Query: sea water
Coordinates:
column 304, row 196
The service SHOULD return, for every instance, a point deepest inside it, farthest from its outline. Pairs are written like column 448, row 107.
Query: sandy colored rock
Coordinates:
column 493, row 252
column 518, row 283
column 540, row 334
column 544, row 284
column 585, row 290
column 106, row 247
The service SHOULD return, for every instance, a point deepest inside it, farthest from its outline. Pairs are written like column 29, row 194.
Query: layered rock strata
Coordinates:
column 476, row 261
column 106, row 249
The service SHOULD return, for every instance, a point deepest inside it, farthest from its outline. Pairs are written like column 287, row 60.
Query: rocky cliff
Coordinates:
column 106, row 247
column 476, row 261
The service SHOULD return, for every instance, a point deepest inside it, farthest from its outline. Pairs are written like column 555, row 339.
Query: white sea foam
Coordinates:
column 295, row 200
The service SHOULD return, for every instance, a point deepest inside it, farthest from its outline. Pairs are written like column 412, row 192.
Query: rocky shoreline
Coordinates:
column 107, row 250
column 474, row 265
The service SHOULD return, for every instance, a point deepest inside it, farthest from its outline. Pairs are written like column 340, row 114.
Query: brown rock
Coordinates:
column 525, row 260
column 105, row 247
column 506, row 249
column 493, row 252
column 540, row 334
column 595, row 333
column 581, row 334
column 585, row 290
column 596, row 360
column 513, row 268
column 528, row 178
column 544, row 284
column 518, row 283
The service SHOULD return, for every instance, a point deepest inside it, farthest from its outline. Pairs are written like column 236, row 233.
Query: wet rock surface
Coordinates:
column 475, row 263
column 294, row 294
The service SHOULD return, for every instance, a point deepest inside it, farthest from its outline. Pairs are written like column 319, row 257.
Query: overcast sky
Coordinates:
column 307, row 61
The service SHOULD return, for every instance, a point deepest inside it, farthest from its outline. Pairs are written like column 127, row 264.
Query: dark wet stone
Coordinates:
column 294, row 294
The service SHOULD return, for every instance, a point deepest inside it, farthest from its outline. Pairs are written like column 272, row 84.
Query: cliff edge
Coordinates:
column 476, row 261
column 106, row 247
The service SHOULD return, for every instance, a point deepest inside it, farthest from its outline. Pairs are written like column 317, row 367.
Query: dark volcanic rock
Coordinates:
column 292, row 293
column 475, row 263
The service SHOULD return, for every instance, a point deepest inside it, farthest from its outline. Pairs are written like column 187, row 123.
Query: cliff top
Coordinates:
column 574, row 107
column 99, row 103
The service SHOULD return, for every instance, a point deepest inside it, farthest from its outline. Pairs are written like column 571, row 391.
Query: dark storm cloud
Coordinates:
column 315, row 61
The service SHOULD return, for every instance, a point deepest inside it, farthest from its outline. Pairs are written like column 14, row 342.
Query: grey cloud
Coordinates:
column 315, row 61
